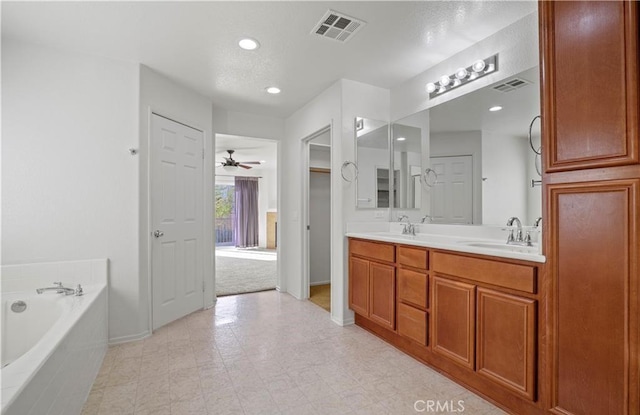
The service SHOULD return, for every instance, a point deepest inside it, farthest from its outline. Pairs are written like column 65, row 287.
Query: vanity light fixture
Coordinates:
column 273, row 90
column 462, row 76
column 495, row 108
column 248, row 44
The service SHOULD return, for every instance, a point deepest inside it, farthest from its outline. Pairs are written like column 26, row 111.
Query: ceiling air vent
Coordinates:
column 337, row 26
column 511, row 85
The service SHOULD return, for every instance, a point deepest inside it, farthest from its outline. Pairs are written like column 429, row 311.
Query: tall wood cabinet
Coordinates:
column 589, row 55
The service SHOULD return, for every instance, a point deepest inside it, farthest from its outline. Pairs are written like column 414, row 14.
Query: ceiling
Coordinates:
column 195, row 43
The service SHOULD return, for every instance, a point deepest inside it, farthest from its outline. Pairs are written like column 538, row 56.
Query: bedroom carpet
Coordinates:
column 245, row 270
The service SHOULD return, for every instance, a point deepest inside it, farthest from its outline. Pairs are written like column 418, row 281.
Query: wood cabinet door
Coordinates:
column 453, row 320
column 505, row 341
column 382, row 299
column 593, row 249
column 590, row 83
column 359, row 285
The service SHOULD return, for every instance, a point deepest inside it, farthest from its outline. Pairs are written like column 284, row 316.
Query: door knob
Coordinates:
column 158, row 234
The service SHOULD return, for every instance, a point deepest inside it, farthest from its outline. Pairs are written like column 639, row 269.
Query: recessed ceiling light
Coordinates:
column 273, row 90
column 496, row 108
column 248, row 44
column 400, row 138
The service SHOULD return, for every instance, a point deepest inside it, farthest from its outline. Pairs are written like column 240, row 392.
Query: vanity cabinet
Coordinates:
column 372, row 280
column 473, row 317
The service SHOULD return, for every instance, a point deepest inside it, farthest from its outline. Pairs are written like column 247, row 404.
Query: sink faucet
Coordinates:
column 518, row 238
column 409, row 228
column 425, row 217
column 58, row 289
column 537, row 222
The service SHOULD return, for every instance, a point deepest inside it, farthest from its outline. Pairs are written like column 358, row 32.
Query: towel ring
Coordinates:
column 539, row 150
column 429, row 177
column 342, row 170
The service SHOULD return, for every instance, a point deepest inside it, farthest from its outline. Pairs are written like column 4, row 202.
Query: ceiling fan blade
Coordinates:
column 250, row 162
column 245, row 167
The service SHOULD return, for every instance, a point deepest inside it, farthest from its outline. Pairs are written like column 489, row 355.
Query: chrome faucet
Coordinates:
column 409, row 228
column 518, row 238
column 537, row 222
column 58, row 289
column 425, row 217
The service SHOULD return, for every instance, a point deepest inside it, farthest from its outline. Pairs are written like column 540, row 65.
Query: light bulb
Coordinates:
column 495, row 108
column 478, row 65
column 248, row 44
column 400, row 138
column 273, row 90
column 431, row 87
column 445, row 80
column 461, row 73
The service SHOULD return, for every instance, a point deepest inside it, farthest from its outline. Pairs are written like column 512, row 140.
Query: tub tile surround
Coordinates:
column 54, row 377
column 266, row 353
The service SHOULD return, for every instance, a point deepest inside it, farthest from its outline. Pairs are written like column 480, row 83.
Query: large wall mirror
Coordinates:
column 478, row 145
column 372, row 157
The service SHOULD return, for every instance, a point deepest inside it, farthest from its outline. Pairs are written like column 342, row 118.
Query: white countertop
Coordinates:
column 460, row 243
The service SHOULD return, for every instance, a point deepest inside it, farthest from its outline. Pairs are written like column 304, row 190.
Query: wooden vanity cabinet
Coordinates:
column 413, row 293
column 372, row 281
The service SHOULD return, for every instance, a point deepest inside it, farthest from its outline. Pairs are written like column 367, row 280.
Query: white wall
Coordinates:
column 69, row 185
column 504, row 195
column 320, row 233
column 247, row 125
column 162, row 96
column 320, row 156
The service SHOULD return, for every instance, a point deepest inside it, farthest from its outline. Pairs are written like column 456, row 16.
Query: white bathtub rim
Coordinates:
column 20, row 372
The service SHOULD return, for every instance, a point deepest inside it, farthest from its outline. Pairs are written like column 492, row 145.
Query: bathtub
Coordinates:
column 52, row 351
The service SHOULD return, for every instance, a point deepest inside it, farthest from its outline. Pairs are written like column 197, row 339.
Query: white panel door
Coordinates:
column 177, row 222
column 452, row 195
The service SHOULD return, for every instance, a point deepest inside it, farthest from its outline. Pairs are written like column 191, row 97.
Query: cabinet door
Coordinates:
column 590, row 79
column 359, row 286
column 506, row 344
column 453, row 320
column 593, row 242
column 382, row 300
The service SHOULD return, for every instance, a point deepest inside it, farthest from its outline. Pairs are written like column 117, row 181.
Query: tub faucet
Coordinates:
column 58, row 289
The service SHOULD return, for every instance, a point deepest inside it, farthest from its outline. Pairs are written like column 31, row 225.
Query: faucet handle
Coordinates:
column 79, row 290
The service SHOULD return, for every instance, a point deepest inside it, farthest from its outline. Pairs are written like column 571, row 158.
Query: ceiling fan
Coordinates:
column 229, row 162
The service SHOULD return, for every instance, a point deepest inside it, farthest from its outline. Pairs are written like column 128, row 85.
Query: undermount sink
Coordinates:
column 502, row 247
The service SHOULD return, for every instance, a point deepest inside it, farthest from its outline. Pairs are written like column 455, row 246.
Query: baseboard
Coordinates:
column 130, row 338
column 343, row 322
column 311, row 284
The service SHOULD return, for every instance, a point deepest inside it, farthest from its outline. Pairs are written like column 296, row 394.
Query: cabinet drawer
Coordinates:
column 413, row 257
column 412, row 287
column 517, row 277
column 374, row 250
column 412, row 323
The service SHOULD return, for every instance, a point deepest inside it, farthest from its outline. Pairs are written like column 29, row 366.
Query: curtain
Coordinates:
column 246, row 212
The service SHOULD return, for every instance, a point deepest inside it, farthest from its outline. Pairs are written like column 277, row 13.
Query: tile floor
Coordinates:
column 267, row 353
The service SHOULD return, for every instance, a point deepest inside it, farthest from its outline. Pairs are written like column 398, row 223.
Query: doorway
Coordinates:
column 319, row 218
column 245, row 209
column 177, row 174
column 452, row 194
